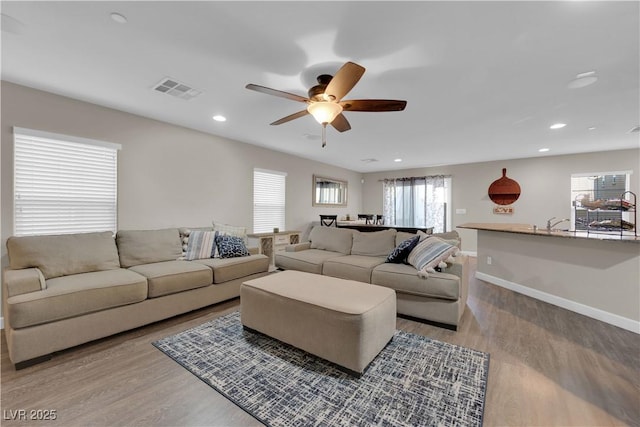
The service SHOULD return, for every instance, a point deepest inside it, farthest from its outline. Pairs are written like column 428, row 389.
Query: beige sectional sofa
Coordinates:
column 64, row 290
column 439, row 298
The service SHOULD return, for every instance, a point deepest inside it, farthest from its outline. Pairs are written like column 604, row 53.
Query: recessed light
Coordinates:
column 119, row 18
column 397, row 160
column 557, row 126
column 219, row 118
column 591, row 128
column 543, row 150
column 583, row 80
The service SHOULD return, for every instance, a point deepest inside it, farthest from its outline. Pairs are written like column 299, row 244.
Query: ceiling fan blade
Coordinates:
column 374, row 105
column 340, row 123
column 290, row 117
column 344, row 80
column 279, row 93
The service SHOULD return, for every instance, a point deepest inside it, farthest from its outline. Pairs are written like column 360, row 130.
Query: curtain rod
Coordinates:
column 414, row 177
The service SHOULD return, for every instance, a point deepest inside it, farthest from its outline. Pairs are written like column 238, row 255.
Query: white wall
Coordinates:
column 545, row 184
column 168, row 176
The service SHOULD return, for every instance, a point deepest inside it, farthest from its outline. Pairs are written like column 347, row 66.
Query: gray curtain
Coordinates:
column 414, row 202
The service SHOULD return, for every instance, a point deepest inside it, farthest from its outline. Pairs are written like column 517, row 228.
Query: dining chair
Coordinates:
column 368, row 218
column 329, row 220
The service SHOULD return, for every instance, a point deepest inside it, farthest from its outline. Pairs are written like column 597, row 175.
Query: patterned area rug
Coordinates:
column 414, row 381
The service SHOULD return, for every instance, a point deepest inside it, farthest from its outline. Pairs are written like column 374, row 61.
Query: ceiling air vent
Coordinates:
column 173, row 87
column 368, row 160
column 635, row 129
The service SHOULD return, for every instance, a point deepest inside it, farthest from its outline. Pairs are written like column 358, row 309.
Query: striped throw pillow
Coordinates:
column 202, row 244
column 429, row 253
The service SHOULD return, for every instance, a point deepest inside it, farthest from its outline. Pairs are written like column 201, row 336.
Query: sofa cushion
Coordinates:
column 64, row 254
column 352, row 267
column 225, row 269
column 401, row 252
column 404, row 279
column 170, row 277
column 332, row 239
column 401, row 236
column 451, row 237
column 71, row 296
column 376, row 243
column 310, row 260
column 148, row 246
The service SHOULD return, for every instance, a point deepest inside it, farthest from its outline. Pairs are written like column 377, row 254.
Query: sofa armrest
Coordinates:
column 298, row 247
column 23, row 281
column 458, row 267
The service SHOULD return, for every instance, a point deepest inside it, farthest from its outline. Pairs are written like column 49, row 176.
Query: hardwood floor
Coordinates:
column 549, row 367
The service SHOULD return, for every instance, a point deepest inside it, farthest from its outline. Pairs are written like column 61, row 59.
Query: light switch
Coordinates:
column 461, row 211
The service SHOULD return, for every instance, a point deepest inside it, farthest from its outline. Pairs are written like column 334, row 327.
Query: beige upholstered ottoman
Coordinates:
column 343, row 321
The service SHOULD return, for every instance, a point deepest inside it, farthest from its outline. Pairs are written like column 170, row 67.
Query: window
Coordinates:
column 268, row 200
column 418, row 202
column 63, row 184
column 595, row 198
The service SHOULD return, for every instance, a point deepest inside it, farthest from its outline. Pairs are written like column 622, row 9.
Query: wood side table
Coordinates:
column 269, row 243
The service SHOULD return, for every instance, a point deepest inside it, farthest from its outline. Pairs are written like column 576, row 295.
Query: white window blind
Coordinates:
column 268, row 200
column 63, row 184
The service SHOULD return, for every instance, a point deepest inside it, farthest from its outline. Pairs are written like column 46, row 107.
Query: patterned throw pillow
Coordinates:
column 201, row 244
column 429, row 253
column 231, row 246
column 401, row 252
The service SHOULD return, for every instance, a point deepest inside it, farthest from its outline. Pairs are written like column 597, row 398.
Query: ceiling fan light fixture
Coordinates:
column 323, row 111
column 119, row 18
column 583, row 80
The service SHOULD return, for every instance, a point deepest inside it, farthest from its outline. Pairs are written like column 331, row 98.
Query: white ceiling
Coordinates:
column 483, row 80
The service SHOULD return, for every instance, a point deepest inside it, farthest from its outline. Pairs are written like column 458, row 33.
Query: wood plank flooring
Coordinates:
column 549, row 367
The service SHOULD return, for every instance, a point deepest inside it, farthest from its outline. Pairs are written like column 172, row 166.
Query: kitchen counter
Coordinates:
column 596, row 275
column 529, row 229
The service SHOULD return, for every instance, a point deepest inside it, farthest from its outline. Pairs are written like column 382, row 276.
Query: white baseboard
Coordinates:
column 594, row 313
column 1, row 322
column 470, row 253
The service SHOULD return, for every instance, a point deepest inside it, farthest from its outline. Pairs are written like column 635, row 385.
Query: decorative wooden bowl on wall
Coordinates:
column 504, row 191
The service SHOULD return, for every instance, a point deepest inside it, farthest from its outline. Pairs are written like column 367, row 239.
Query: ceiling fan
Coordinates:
column 325, row 102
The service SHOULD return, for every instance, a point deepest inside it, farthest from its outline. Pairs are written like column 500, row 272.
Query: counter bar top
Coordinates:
column 528, row 229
